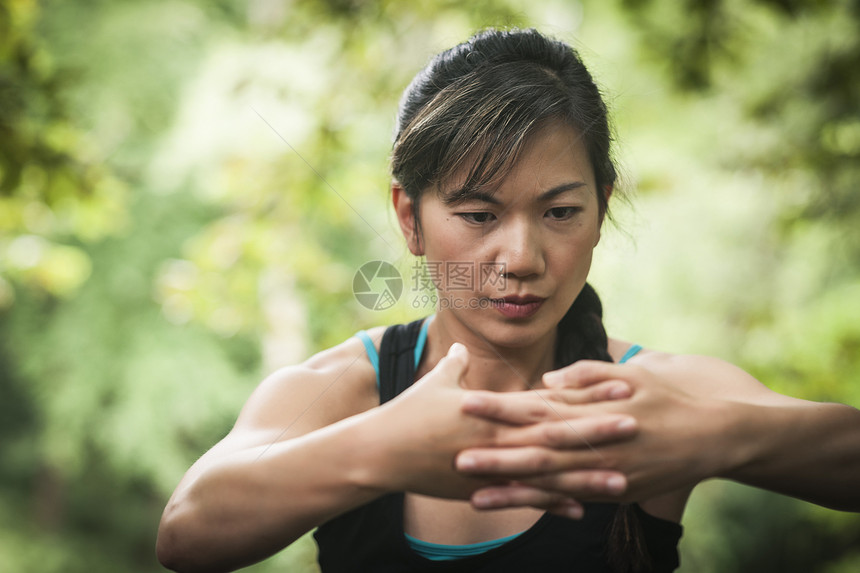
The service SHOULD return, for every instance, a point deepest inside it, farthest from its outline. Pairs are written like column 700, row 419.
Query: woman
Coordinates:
column 501, row 161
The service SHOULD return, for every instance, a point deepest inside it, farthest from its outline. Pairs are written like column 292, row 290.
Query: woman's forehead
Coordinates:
column 552, row 152
column 552, row 156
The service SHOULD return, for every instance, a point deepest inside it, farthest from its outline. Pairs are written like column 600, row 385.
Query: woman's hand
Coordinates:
column 426, row 427
column 681, row 438
column 416, row 436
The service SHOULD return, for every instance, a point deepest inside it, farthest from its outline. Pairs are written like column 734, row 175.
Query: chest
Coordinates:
column 454, row 522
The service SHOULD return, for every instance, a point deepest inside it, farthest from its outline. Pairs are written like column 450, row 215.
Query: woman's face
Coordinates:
column 538, row 227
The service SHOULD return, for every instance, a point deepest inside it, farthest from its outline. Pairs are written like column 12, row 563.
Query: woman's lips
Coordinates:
column 518, row 306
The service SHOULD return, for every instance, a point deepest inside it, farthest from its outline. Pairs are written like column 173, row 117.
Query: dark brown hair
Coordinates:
column 479, row 101
column 475, row 106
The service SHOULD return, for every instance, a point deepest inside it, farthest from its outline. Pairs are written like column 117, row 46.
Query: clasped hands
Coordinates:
column 597, row 432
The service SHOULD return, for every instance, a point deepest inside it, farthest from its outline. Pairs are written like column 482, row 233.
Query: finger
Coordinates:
column 528, row 407
column 570, row 509
column 599, row 392
column 524, row 462
column 453, row 365
column 571, row 433
column 526, row 496
column 510, row 407
column 611, row 390
column 585, row 373
column 582, row 484
column 561, row 488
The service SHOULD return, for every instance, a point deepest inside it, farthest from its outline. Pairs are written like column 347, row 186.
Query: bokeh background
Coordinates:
column 187, row 188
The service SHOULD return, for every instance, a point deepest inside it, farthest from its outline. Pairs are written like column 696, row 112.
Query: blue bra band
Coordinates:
column 439, row 552
column 631, row 352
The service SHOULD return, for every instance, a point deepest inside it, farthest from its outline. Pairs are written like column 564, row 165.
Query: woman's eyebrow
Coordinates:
column 461, row 197
column 559, row 189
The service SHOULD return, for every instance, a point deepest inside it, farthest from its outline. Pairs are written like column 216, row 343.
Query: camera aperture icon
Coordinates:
column 377, row 285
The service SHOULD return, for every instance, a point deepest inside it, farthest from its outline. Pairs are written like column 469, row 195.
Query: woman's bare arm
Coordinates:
column 291, row 462
column 698, row 418
column 809, row 450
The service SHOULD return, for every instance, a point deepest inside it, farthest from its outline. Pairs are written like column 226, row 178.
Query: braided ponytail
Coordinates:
column 581, row 336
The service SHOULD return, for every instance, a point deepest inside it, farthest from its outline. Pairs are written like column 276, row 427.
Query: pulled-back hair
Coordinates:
column 475, row 107
column 477, row 103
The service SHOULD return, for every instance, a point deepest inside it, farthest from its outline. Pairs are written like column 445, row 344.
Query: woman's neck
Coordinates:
column 491, row 367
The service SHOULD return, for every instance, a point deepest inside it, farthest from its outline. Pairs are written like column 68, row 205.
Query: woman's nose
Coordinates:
column 520, row 253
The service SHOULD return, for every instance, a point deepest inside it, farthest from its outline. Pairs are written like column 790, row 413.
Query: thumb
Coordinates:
column 454, row 365
column 584, row 373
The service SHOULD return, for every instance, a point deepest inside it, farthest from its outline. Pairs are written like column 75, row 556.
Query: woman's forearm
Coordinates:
column 803, row 449
column 247, row 505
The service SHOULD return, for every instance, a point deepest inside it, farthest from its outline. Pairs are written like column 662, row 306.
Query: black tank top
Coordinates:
column 370, row 538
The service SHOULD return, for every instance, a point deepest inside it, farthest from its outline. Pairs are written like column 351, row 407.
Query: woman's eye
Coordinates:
column 478, row 217
column 562, row 213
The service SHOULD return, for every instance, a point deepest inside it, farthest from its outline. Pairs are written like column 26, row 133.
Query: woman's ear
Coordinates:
column 607, row 193
column 404, row 207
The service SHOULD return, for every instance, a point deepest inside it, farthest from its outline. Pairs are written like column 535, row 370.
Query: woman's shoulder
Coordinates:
column 667, row 362
column 696, row 373
column 331, row 385
column 351, row 353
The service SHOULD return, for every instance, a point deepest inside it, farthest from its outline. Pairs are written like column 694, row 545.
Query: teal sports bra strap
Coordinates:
column 372, row 354
column 631, row 352
column 422, row 340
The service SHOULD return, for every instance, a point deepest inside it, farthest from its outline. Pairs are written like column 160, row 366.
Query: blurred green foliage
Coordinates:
column 187, row 188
